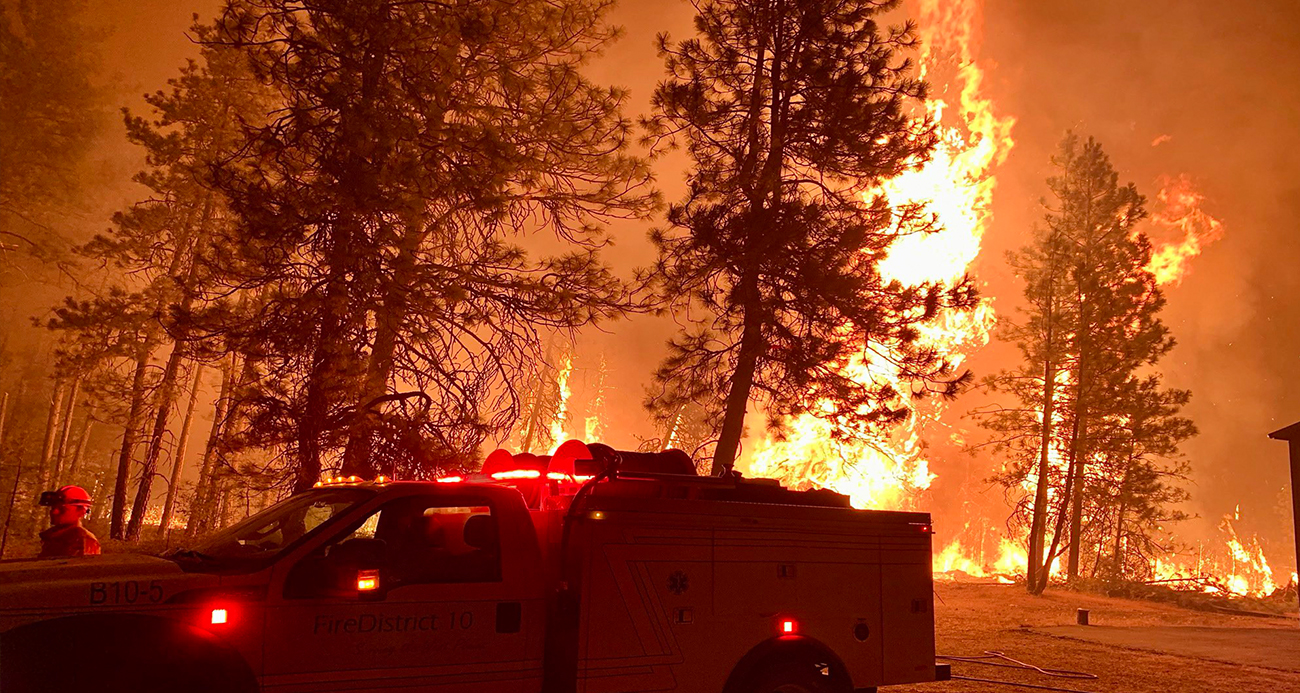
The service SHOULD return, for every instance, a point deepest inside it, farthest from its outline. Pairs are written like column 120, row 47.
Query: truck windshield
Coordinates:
column 259, row 538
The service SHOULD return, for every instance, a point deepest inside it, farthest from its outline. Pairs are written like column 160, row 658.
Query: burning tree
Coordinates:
column 793, row 114
column 1092, row 431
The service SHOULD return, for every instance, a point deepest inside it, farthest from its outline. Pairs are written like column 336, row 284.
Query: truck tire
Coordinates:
column 794, row 676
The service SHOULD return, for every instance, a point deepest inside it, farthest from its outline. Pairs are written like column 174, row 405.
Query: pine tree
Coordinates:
column 1090, row 332
column 1029, row 431
column 377, row 213
column 1135, row 488
column 164, row 245
column 792, row 112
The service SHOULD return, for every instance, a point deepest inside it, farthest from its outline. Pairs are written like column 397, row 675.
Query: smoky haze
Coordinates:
column 1216, row 84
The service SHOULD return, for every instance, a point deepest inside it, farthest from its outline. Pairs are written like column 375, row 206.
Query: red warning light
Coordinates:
column 219, row 616
column 788, row 625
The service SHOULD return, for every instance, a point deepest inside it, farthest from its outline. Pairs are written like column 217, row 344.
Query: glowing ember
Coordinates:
column 1183, row 219
column 957, row 187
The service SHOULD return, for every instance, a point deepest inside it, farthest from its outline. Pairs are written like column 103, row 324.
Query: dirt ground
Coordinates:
column 1133, row 646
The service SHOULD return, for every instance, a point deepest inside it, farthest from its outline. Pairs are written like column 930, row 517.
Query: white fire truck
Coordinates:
column 587, row 571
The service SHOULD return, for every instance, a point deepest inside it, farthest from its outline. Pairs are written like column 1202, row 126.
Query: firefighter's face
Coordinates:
column 66, row 513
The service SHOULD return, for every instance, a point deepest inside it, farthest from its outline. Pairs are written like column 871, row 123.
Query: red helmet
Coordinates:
column 68, row 495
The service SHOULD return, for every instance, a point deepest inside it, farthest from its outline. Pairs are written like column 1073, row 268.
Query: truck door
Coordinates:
column 420, row 594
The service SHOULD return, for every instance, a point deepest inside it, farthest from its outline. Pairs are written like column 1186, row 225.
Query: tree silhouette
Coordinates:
column 793, row 113
column 378, row 212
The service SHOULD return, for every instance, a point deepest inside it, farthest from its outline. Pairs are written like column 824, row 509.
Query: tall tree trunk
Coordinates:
column 356, row 456
column 117, row 525
column 65, row 432
column 178, row 457
column 4, row 411
column 1119, row 524
column 765, row 196
column 204, row 488
column 1063, row 511
column 742, row 381
column 1077, row 470
column 51, row 434
column 1038, row 524
column 74, row 464
column 315, row 409
column 389, row 321
column 18, row 473
column 162, row 412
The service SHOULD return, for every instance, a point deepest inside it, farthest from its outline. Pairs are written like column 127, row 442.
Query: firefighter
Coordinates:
column 66, row 536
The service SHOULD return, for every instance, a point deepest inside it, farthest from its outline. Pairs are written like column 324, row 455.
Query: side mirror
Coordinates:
column 356, row 565
column 350, row 570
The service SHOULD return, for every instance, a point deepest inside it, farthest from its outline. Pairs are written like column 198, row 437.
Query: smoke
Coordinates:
column 1210, row 90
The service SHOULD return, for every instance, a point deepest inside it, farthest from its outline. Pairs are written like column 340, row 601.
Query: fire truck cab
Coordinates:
column 589, row 571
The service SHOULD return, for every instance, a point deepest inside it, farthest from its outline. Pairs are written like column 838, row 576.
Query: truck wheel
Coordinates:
column 795, row 676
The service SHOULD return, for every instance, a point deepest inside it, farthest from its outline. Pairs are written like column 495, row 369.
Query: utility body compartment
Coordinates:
column 671, row 587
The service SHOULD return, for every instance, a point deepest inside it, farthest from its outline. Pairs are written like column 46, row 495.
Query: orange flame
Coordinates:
column 956, row 186
column 1236, row 568
column 561, row 421
column 1182, row 216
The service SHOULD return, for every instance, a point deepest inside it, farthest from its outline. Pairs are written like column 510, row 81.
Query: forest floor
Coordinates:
column 1132, row 646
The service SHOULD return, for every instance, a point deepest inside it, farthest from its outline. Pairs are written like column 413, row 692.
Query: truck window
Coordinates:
column 264, row 535
column 426, row 540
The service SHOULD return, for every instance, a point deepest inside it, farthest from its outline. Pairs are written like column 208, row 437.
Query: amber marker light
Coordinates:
column 367, row 580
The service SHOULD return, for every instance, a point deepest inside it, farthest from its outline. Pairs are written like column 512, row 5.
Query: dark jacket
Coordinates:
column 68, row 540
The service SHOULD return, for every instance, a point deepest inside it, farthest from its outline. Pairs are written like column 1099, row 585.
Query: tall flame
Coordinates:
column 1184, row 220
column 1236, row 568
column 956, row 186
column 560, row 424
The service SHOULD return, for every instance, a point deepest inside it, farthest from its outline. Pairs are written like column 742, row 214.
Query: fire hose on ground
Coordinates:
column 993, row 658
